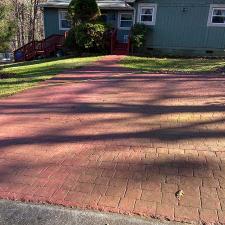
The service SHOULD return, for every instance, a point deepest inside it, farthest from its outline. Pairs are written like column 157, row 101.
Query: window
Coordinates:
column 125, row 38
column 216, row 15
column 147, row 13
column 125, row 21
column 64, row 22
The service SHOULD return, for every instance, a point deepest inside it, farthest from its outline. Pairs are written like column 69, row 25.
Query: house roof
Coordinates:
column 103, row 4
column 113, row 4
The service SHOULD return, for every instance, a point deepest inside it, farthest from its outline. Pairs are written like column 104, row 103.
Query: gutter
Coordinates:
column 66, row 5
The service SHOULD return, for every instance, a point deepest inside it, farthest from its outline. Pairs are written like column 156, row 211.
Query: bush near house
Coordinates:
column 138, row 36
column 87, row 33
column 90, row 37
column 83, row 11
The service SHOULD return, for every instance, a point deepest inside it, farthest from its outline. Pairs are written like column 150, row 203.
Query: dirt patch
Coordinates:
column 220, row 70
column 7, row 75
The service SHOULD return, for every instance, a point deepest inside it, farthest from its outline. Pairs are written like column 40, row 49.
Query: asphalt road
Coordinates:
column 17, row 213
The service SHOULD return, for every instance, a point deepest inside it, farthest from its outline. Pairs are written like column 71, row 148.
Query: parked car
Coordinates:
column 6, row 57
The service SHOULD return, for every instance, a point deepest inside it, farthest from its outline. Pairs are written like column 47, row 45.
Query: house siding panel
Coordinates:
column 51, row 22
column 172, row 32
column 215, row 37
column 175, row 29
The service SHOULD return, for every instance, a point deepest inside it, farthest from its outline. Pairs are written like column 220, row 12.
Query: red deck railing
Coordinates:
column 129, row 44
column 113, row 40
column 43, row 48
column 119, row 48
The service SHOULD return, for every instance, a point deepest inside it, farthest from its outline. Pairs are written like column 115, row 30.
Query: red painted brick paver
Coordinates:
column 107, row 138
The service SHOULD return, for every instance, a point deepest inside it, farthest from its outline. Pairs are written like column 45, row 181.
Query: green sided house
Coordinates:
column 179, row 27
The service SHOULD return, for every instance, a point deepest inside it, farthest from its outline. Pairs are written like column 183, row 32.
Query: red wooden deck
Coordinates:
column 43, row 48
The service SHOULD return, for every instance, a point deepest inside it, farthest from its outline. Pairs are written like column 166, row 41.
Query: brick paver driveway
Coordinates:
column 104, row 138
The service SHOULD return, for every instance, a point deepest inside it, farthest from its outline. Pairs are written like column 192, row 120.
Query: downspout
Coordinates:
column 135, row 15
column 131, row 46
column 134, row 11
column 134, row 22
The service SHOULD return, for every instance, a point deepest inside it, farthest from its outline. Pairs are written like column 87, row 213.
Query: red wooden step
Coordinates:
column 120, row 52
column 121, row 45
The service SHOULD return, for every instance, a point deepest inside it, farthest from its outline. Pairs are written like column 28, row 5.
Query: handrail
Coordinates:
column 23, row 46
column 49, row 37
column 39, row 45
column 113, row 40
column 129, row 44
column 46, row 45
column 27, row 47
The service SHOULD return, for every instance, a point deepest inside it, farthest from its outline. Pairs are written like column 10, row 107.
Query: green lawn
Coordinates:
column 195, row 65
column 28, row 74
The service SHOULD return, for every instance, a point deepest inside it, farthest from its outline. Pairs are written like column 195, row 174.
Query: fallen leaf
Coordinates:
column 179, row 194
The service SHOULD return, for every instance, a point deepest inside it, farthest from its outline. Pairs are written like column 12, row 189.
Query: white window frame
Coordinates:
column 119, row 20
column 60, row 19
column 154, row 12
column 210, row 17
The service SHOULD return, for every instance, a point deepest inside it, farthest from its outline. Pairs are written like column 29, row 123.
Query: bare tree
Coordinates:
column 28, row 20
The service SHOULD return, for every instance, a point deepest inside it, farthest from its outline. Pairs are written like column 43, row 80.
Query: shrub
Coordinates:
column 90, row 37
column 138, row 35
column 83, row 11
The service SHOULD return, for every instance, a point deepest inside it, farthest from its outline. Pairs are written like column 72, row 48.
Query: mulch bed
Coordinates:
column 7, row 75
column 221, row 70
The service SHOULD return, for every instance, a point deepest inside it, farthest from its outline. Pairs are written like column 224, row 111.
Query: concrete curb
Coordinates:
column 18, row 213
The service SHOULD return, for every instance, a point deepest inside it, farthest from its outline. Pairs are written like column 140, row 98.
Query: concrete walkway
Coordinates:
column 106, row 138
